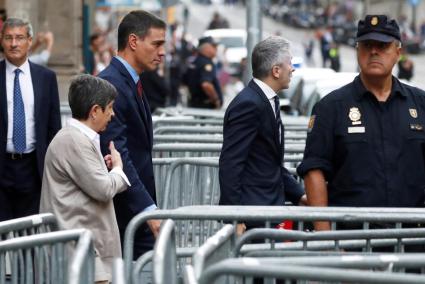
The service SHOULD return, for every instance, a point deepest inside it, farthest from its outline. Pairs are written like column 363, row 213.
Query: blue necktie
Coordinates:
column 19, row 136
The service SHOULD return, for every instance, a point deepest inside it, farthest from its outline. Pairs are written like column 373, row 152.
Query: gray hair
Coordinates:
column 268, row 53
column 17, row 22
column 86, row 91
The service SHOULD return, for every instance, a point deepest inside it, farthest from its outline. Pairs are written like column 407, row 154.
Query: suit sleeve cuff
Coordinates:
column 150, row 208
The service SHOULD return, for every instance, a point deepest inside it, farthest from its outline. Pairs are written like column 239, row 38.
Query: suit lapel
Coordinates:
column 148, row 117
column 3, row 97
column 38, row 93
column 134, row 96
column 270, row 113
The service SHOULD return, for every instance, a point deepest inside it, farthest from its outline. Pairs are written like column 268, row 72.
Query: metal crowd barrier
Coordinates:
column 219, row 114
column 118, row 276
column 188, row 138
column 188, row 181
column 191, row 181
column 44, row 258
column 188, row 130
column 291, row 138
column 216, row 248
column 178, row 129
column 161, row 167
column 169, row 150
column 184, row 121
column 164, row 256
column 263, row 268
column 194, row 224
column 193, row 112
column 25, row 226
column 395, row 239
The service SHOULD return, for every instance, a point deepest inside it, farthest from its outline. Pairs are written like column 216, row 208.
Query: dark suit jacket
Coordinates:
column 46, row 111
column 251, row 171
column 131, row 131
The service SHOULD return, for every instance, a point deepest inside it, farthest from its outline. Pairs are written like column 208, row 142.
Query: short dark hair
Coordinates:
column 86, row 91
column 94, row 37
column 137, row 22
column 17, row 22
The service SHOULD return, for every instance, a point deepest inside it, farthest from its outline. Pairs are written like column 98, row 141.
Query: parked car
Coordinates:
column 303, row 84
column 324, row 86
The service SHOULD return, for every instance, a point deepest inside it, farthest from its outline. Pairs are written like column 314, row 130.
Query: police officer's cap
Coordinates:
column 207, row 39
column 379, row 28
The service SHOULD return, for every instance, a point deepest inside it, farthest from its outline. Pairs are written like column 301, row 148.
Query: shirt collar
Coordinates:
column 25, row 67
column 269, row 92
column 129, row 68
column 361, row 91
column 90, row 133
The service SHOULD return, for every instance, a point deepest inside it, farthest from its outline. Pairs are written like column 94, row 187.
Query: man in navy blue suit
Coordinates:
column 251, row 161
column 29, row 119
column 141, row 38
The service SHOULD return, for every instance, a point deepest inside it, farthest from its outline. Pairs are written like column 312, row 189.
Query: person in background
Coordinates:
column 155, row 87
column 218, row 22
column 201, row 77
column 41, row 49
column 29, row 119
column 77, row 187
column 405, row 66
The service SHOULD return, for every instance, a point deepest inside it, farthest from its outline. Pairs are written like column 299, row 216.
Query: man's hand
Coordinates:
column 303, row 201
column 240, row 229
column 154, row 225
column 322, row 226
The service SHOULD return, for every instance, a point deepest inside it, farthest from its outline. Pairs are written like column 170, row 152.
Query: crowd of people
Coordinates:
column 365, row 143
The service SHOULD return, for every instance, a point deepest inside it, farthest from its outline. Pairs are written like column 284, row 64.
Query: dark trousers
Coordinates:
column 20, row 187
column 143, row 241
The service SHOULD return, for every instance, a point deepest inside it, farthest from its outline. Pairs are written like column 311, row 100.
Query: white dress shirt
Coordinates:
column 269, row 92
column 95, row 138
column 27, row 91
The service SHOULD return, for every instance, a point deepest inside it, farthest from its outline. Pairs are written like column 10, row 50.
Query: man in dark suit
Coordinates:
column 141, row 38
column 29, row 119
column 251, row 162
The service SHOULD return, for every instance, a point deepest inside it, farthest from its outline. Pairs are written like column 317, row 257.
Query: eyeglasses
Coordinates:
column 370, row 44
column 18, row 38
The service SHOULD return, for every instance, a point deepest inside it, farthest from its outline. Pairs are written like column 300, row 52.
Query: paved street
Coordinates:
column 200, row 15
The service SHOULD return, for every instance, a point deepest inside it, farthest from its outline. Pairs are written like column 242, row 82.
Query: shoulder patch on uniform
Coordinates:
column 311, row 122
column 208, row 67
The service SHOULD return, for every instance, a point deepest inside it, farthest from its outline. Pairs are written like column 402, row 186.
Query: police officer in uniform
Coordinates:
column 201, row 78
column 365, row 145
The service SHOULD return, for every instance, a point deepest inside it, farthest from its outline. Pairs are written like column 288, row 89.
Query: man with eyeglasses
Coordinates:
column 29, row 119
column 365, row 140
